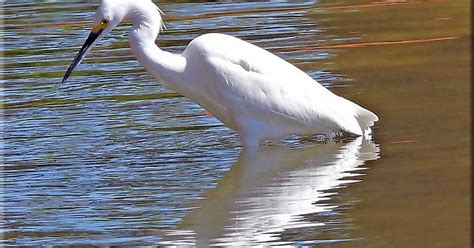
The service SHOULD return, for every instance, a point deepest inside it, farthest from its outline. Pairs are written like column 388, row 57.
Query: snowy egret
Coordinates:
column 249, row 89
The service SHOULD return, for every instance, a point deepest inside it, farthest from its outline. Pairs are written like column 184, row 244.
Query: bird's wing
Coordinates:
column 256, row 83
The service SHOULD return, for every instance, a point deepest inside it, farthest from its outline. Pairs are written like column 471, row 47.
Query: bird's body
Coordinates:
column 249, row 89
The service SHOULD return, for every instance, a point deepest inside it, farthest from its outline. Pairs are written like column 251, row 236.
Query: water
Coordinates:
column 114, row 158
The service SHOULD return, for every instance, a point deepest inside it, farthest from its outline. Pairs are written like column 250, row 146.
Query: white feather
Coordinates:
column 246, row 87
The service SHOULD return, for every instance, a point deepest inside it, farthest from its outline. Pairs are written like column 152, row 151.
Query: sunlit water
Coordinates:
column 115, row 158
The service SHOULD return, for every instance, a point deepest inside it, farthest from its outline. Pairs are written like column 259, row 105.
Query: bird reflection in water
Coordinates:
column 268, row 192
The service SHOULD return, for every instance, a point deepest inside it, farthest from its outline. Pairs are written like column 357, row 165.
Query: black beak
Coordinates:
column 82, row 53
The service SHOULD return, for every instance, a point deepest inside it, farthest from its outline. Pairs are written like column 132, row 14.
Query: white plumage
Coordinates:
column 249, row 89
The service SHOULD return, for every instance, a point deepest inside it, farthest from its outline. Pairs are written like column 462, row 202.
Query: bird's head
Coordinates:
column 107, row 16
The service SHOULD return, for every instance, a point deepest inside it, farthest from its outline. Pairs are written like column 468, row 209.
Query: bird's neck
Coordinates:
column 166, row 66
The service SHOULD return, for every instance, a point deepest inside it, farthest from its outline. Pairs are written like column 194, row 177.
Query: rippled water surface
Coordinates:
column 114, row 158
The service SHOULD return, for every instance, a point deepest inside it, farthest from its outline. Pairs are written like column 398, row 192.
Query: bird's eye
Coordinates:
column 104, row 21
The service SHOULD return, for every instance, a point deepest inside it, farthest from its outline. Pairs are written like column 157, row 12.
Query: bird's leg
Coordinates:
column 249, row 142
column 247, row 128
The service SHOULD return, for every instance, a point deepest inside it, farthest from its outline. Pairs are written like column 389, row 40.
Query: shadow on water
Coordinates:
column 273, row 191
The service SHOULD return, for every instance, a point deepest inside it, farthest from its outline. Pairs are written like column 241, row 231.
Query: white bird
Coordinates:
column 249, row 89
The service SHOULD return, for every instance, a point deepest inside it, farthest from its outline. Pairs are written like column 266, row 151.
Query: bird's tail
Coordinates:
column 353, row 118
column 366, row 119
